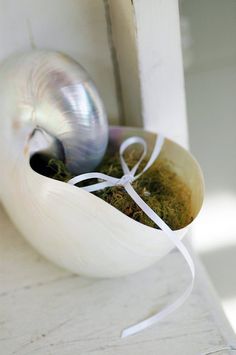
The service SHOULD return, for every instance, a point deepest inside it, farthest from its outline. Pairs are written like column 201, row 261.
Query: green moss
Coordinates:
column 159, row 187
column 58, row 170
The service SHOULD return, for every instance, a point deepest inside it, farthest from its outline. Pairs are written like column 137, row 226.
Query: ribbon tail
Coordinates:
column 125, row 181
column 138, row 327
column 183, row 250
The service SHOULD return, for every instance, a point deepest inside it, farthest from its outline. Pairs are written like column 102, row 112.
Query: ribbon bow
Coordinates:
column 126, row 181
column 129, row 175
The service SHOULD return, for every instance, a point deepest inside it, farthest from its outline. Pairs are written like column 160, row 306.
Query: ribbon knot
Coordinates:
column 126, row 181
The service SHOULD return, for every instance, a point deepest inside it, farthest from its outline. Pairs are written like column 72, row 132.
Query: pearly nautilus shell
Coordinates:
column 49, row 98
column 49, row 107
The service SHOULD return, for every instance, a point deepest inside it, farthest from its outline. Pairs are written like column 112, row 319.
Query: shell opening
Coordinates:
column 43, row 147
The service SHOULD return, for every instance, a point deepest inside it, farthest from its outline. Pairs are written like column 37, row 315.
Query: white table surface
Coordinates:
column 46, row 310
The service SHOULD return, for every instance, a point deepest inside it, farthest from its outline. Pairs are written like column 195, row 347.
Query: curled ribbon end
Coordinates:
column 123, row 335
column 126, row 333
column 134, row 329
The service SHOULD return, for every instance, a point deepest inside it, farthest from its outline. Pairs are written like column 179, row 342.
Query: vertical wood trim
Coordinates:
column 114, row 58
column 161, row 69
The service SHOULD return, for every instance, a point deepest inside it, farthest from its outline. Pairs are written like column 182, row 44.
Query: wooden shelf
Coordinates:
column 46, row 310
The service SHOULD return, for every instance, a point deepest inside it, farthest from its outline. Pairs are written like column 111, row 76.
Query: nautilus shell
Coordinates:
column 50, row 99
column 48, row 106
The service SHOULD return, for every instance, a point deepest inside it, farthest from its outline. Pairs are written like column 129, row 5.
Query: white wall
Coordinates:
column 211, row 102
column 76, row 27
column 213, row 29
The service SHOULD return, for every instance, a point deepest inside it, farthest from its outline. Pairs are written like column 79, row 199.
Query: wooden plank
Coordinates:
column 46, row 310
column 123, row 31
column 160, row 66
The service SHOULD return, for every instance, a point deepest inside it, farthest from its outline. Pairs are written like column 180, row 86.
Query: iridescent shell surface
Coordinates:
column 52, row 94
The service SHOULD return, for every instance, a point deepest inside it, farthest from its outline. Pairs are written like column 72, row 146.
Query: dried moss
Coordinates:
column 159, row 187
column 58, row 171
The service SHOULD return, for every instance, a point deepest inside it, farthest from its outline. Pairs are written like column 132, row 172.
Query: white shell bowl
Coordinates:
column 79, row 231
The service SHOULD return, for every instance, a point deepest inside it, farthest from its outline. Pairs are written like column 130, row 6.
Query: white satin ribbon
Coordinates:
column 126, row 181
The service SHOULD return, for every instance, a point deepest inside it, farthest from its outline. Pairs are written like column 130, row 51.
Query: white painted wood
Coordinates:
column 123, row 29
column 46, row 310
column 76, row 27
column 160, row 66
